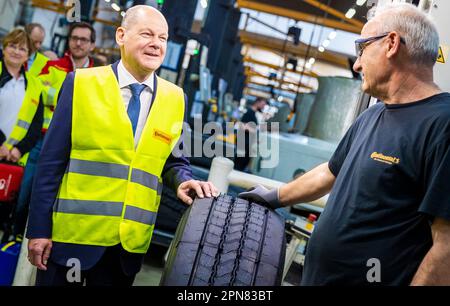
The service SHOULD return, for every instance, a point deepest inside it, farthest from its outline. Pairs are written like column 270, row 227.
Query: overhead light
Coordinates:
column 108, row 1
column 360, row 2
column 204, row 3
column 326, row 43
column 321, row 49
column 122, row 13
column 332, row 35
column 350, row 13
column 115, row 7
column 291, row 86
column 289, row 66
column 308, row 66
column 312, row 60
column 280, row 99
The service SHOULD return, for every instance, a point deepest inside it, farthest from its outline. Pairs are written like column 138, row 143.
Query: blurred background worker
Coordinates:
column 81, row 42
column 52, row 74
column 20, row 106
column 250, row 121
column 37, row 60
column 96, row 196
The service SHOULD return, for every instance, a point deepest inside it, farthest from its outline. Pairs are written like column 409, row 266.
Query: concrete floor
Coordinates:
column 153, row 267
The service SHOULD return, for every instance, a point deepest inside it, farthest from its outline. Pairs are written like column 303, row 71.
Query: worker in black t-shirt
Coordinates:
column 387, row 219
column 249, row 125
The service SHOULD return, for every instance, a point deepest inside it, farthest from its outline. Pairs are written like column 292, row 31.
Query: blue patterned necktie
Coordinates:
column 134, row 106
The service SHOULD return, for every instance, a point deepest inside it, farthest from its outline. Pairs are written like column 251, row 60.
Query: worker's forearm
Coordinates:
column 434, row 269
column 310, row 186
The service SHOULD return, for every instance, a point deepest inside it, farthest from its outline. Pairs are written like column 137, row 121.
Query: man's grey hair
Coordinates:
column 418, row 30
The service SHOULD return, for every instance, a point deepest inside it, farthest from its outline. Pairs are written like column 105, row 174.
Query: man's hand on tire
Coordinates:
column 188, row 190
column 262, row 195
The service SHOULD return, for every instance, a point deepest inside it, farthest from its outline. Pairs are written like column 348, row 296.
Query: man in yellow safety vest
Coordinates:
column 108, row 151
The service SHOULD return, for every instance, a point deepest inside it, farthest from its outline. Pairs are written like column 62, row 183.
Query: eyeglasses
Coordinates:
column 82, row 40
column 18, row 49
column 362, row 43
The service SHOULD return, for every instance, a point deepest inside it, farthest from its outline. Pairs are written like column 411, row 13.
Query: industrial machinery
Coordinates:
column 331, row 111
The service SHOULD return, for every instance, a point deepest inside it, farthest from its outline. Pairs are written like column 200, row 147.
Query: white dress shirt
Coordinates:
column 125, row 79
column 11, row 99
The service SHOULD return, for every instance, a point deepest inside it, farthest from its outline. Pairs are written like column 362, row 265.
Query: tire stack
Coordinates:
column 227, row 241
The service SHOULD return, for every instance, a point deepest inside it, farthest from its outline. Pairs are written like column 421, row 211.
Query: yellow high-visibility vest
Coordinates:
column 52, row 83
column 111, row 190
column 38, row 64
column 26, row 114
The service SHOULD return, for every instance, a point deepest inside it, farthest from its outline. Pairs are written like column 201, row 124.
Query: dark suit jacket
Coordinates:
column 50, row 170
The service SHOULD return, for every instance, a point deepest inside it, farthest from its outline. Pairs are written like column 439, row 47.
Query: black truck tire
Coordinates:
column 226, row 241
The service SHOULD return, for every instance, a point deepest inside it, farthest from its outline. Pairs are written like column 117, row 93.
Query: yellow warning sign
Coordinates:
column 440, row 58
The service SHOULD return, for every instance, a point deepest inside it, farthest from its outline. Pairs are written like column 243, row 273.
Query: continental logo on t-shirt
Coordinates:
column 384, row 159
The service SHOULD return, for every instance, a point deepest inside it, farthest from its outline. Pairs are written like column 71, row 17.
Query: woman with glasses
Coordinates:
column 21, row 111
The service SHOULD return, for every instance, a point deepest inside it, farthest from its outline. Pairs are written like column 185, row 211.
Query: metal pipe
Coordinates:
column 219, row 171
column 222, row 175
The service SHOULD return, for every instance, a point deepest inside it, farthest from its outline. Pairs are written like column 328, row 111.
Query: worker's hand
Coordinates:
column 39, row 252
column 15, row 155
column 187, row 191
column 262, row 195
column 4, row 152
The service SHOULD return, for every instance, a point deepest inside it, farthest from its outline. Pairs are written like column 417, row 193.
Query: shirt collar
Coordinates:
column 85, row 65
column 126, row 78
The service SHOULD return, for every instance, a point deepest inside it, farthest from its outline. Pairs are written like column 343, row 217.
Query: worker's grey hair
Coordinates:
column 418, row 30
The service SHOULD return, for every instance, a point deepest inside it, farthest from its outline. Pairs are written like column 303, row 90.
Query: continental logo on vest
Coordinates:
column 35, row 102
column 164, row 137
column 384, row 159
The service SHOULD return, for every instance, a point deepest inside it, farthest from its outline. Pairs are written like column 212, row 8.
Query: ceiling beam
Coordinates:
column 250, row 73
column 297, row 15
column 266, row 85
column 50, row 5
column 276, row 67
column 276, row 44
column 334, row 12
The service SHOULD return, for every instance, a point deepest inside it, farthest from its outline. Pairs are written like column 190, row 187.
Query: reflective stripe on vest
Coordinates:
column 97, row 208
column 52, row 81
column 114, row 171
column 111, row 190
column 26, row 113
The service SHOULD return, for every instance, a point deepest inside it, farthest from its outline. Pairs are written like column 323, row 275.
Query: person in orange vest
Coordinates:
column 110, row 147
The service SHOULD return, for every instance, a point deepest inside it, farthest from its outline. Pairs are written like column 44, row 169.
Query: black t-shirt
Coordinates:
column 392, row 173
column 249, row 116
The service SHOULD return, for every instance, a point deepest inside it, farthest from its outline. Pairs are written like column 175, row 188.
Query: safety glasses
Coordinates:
column 362, row 43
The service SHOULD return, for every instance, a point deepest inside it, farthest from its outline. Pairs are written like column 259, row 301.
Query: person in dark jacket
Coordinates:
column 249, row 124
